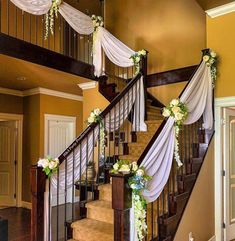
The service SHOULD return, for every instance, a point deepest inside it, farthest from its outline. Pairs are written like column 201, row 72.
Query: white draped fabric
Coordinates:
column 79, row 21
column 35, row 7
column 115, row 50
column 198, row 98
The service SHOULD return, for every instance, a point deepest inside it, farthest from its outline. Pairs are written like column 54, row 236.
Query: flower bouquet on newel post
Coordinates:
column 137, row 181
column 49, row 165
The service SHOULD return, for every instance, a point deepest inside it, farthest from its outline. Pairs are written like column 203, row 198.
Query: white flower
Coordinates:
column 97, row 111
column 179, row 116
column 142, row 52
column 166, row 112
column 132, row 186
column 52, row 165
column 91, row 119
column 140, row 172
column 99, row 18
column 213, row 54
column 134, row 166
column 97, row 24
column 93, row 16
column 115, row 166
column 206, row 58
column 43, row 163
column 137, row 59
column 174, row 102
column 124, row 168
column 175, row 110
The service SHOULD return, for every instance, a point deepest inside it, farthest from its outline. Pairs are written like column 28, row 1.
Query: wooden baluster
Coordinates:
column 121, row 203
column 38, row 186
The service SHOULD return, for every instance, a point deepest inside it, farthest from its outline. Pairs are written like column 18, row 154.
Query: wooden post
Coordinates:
column 38, row 186
column 121, row 203
column 144, row 69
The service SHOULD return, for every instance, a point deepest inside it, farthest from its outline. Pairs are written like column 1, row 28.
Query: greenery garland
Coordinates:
column 136, row 58
column 49, row 165
column 52, row 13
column 96, row 118
column 179, row 112
column 137, row 182
column 211, row 61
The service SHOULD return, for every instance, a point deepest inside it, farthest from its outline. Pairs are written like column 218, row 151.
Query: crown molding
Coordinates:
column 40, row 90
column 221, row 10
column 7, row 91
column 88, row 85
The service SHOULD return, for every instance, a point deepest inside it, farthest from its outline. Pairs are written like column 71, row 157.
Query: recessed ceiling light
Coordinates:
column 21, row 78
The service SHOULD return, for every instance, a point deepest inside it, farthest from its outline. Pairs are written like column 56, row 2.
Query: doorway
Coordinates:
column 10, row 160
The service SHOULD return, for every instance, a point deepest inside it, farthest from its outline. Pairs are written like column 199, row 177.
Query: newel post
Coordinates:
column 144, row 69
column 121, row 203
column 37, row 186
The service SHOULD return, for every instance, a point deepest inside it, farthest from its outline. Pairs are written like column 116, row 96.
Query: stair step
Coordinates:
column 92, row 230
column 153, row 125
column 100, row 210
column 144, row 137
column 136, row 149
column 105, row 192
column 130, row 158
column 154, row 109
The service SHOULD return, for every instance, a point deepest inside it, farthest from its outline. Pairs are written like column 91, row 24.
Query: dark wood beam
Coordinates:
column 29, row 52
column 171, row 76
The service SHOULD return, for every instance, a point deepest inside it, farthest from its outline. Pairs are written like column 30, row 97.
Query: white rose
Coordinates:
column 99, row 18
column 134, row 166
column 124, row 168
column 97, row 24
column 166, row 112
column 101, row 23
column 93, row 16
column 43, row 163
column 213, row 54
column 206, row 58
column 97, row 111
column 132, row 186
column 140, row 173
column 91, row 119
column 142, row 52
column 175, row 109
column 174, row 102
column 115, row 166
column 137, row 59
column 52, row 165
column 179, row 116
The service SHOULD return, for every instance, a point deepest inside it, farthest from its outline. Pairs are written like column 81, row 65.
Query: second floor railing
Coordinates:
column 31, row 28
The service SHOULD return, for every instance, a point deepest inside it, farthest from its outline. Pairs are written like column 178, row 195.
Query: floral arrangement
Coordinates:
column 97, row 21
column 211, row 61
column 49, row 165
column 137, row 182
column 136, row 58
column 52, row 13
column 96, row 118
column 179, row 112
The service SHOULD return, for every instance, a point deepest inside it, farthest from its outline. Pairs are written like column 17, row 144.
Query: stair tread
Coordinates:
column 153, row 121
column 104, row 187
column 93, row 230
column 99, row 204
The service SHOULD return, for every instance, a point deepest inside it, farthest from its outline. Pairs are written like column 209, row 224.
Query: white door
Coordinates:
column 229, row 180
column 7, row 163
column 59, row 134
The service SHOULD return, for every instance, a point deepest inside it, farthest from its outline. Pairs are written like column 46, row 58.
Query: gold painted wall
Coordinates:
column 221, row 38
column 11, row 104
column 92, row 99
column 198, row 217
column 174, row 32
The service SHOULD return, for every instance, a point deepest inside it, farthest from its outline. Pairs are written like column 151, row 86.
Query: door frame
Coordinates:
column 51, row 117
column 19, row 120
column 220, row 104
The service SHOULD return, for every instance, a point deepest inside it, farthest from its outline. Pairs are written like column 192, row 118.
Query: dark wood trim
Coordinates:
column 38, row 186
column 121, row 203
column 155, row 101
column 29, row 52
column 171, row 76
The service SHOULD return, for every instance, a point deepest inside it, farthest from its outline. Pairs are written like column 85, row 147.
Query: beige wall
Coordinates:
column 11, row 104
column 174, row 32
column 92, row 99
column 198, row 217
column 221, row 38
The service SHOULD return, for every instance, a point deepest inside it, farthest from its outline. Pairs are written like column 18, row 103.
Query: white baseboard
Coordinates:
column 212, row 239
column 27, row 205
